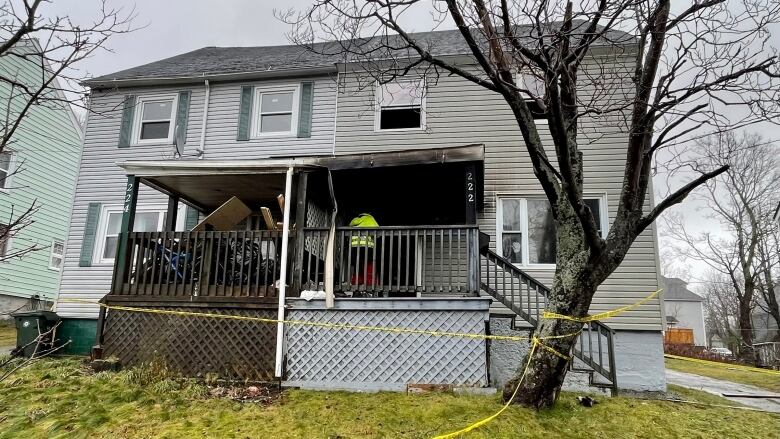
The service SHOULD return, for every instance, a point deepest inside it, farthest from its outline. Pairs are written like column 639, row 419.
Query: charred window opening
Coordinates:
column 400, row 106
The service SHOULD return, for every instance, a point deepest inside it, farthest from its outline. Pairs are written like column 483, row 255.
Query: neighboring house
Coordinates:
column 434, row 162
column 39, row 166
column 716, row 342
column 684, row 309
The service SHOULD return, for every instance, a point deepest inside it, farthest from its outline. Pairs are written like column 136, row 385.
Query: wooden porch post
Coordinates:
column 128, row 219
column 279, row 369
column 173, row 210
column 470, row 194
column 300, row 222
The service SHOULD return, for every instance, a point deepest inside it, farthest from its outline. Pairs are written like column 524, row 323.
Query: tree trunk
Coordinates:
column 575, row 282
column 546, row 371
column 746, row 324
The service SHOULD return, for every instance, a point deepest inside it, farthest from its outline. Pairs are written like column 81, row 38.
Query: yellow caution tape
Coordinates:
column 725, row 365
column 303, row 322
column 496, row 414
column 535, row 342
column 600, row 316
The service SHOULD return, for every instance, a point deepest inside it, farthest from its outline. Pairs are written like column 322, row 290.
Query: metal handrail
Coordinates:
column 503, row 286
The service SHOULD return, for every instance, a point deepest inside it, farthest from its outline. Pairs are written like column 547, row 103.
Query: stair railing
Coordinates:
column 528, row 298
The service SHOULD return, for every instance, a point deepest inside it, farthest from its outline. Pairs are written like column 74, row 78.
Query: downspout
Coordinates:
column 202, row 148
column 283, row 274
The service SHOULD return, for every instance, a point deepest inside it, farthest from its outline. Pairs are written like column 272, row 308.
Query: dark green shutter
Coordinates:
column 90, row 230
column 245, row 112
column 191, row 218
column 126, row 129
column 305, row 110
column 182, row 114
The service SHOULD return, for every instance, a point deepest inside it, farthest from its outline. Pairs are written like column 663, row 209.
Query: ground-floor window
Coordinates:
column 149, row 218
column 526, row 230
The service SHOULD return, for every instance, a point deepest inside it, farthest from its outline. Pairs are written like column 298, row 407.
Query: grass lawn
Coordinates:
column 60, row 398
column 7, row 334
column 758, row 379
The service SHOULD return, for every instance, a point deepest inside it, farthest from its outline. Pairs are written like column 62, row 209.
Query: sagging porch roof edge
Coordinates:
column 160, row 168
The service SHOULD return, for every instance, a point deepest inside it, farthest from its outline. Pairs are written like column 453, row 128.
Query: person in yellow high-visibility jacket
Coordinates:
column 363, row 220
column 363, row 275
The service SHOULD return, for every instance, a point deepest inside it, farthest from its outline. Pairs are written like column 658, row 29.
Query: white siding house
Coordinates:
column 684, row 309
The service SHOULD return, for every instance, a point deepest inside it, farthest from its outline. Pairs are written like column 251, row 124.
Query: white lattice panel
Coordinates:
column 316, row 354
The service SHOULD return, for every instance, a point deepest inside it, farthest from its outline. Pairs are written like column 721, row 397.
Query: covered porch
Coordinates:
column 262, row 238
column 258, row 229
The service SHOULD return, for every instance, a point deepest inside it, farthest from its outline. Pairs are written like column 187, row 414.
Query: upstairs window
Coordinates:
column 57, row 251
column 276, row 111
column 526, row 229
column 534, row 85
column 400, row 105
column 154, row 120
column 6, row 160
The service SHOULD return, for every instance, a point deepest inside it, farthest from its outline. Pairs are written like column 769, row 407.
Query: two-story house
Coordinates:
column 38, row 169
column 410, row 205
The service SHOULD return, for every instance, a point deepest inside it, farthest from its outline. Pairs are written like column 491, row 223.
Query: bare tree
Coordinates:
column 721, row 307
column 769, row 264
column 684, row 66
column 740, row 200
column 56, row 46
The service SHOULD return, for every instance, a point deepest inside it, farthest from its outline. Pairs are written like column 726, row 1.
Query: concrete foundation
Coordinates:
column 639, row 360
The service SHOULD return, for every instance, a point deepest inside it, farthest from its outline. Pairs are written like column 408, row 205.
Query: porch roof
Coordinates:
column 158, row 168
column 207, row 184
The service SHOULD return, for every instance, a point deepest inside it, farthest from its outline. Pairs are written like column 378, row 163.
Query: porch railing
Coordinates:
column 394, row 259
column 209, row 264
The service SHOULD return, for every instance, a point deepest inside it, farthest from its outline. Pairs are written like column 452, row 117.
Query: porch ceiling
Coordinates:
column 210, row 191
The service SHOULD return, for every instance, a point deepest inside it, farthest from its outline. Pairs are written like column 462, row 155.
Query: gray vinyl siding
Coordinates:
column 460, row 113
column 101, row 180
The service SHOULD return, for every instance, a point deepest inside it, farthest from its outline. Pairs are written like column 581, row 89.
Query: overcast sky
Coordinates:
column 172, row 27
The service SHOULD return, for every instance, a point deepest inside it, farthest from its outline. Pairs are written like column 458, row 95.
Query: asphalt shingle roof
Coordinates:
column 209, row 61
column 676, row 289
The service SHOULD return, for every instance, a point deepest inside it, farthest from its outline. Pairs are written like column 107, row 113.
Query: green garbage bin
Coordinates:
column 29, row 325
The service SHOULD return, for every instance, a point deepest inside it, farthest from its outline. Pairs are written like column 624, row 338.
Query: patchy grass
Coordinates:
column 59, row 398
column 723, row 372
column 7, row 334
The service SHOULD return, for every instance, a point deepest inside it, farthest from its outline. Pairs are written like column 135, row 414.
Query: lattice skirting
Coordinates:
column 369, row 360
column 195, row 346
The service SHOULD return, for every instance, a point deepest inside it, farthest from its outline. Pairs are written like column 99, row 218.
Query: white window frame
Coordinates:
column 604, row 226
column 107, row 210
column 52, row 255
column 520, row 81
column 378, row 105
column 257, row 109
column 138, row 118
column 11, row 165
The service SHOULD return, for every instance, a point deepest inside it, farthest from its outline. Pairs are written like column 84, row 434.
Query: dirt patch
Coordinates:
column 256, row 393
